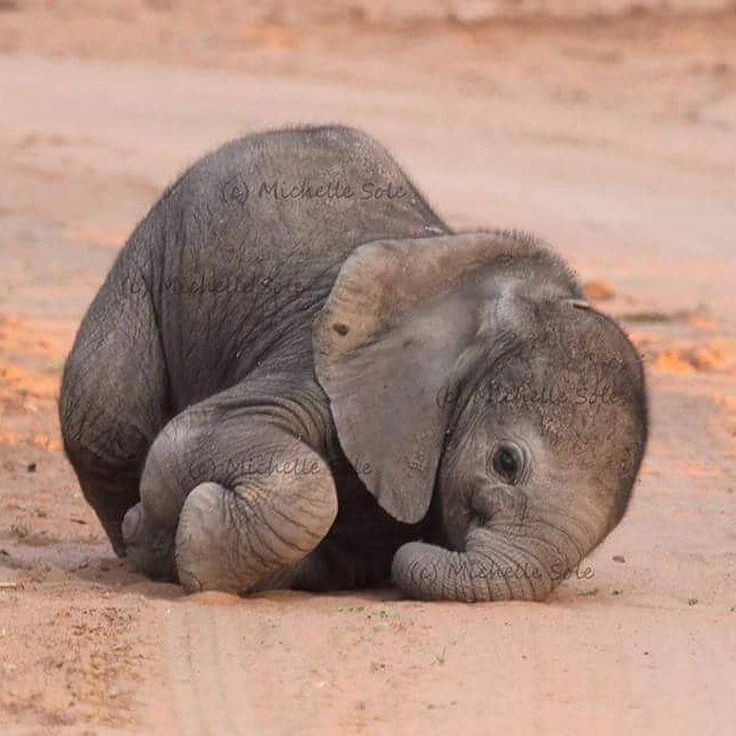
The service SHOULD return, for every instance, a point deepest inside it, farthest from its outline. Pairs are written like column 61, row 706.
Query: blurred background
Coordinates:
column 606, row 127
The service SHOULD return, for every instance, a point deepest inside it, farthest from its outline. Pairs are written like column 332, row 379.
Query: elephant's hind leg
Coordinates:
column 113, row 400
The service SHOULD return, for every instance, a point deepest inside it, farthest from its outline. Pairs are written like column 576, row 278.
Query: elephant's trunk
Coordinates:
column 500, row 562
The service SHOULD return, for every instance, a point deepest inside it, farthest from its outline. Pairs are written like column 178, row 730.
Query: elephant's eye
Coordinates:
column 507, row 463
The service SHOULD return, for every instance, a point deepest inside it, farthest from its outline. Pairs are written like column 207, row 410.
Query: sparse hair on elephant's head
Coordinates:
column 468, row 369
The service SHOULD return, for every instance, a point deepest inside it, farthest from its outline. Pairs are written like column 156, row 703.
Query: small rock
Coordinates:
column 618, row 558
column 720, row 68
column 598, row 291
column 31, row 467
column 692, row 601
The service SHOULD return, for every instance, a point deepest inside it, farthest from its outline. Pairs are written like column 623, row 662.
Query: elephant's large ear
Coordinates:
column 388, row 340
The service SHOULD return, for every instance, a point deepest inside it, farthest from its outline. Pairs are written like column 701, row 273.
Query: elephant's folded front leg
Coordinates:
column 229, row 501
column 249, row 534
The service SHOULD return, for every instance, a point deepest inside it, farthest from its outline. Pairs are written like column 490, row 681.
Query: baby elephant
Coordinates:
column 296, row 375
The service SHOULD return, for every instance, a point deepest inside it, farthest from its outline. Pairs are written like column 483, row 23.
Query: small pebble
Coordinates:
column 598, row 291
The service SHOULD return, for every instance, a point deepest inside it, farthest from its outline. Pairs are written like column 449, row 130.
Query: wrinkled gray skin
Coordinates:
column 320, row 392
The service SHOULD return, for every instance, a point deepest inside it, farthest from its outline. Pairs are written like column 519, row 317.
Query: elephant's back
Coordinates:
column 309, row 193
column 252, row 237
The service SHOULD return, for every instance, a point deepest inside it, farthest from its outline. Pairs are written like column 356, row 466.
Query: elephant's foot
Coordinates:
column 148, row 544
column 252, row 538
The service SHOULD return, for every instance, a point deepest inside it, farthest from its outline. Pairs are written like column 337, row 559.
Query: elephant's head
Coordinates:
column 467, row 369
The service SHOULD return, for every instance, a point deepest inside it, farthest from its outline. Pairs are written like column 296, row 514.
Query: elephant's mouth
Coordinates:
column 487, row 505
column 507, row 503
column 495, row 504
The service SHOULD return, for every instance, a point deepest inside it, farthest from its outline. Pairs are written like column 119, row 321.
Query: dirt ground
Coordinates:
column 614, row 140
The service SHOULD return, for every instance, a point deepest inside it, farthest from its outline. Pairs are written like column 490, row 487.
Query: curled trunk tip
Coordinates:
column 486, row 572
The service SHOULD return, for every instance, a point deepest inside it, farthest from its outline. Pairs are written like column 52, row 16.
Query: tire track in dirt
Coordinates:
column 203, row 682
column 249, row 667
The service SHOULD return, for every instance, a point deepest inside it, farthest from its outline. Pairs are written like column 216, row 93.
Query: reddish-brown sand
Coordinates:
column 616, row 141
